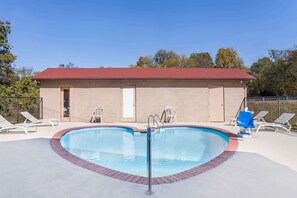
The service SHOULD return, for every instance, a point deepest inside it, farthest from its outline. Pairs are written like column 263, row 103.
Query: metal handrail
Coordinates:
column 149, row 148
column 163, row 114
column 148, row 120
column 160, row 120
column 149, row 155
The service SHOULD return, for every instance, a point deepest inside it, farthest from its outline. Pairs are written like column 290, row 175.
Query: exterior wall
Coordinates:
column 233, row 96
column 189, row 97
column 50, row 94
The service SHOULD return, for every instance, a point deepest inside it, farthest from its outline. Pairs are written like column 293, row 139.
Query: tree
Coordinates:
column 166, row 59
column 19, row 95
column 69, row 65
column 170, row 59
column 228, row 58
column 276, row 75
column 282, row 76
column 24, row 71
column 259, row 70
column 6, row 57
column 200, row 60
column 17, row 90
column 23, row 87
column 262, row 65
column 14, row 82
column 145, row 61
column 132, row 65
column 184, row 61
column 276, row 55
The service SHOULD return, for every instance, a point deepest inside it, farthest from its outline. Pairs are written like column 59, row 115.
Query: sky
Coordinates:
column 93, row 33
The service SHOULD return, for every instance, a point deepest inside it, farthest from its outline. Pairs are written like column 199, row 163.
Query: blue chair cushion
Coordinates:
column 245, row 120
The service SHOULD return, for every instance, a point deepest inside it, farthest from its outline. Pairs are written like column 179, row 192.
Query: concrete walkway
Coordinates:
column 264, row 166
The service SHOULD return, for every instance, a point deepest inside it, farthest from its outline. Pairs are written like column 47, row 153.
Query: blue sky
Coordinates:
column 93, row 33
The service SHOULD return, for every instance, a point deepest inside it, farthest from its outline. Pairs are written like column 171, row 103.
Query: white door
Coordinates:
column 216, row 103
column 128, row 104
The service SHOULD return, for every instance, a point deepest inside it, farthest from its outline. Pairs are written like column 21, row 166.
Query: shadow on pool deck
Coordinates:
column 29, row 168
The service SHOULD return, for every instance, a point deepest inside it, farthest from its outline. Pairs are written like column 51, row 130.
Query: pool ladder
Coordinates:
column 156, row 120
column 149, row 148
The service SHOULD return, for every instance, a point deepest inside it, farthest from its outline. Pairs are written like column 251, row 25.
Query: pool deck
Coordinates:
column 263, row 166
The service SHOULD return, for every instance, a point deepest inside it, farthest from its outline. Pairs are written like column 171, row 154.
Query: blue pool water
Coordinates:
column 174, row 149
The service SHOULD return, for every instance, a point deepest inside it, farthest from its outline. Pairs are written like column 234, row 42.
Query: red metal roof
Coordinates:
column 141, row 73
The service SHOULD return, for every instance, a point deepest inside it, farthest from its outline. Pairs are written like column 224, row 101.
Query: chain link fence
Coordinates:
column 275, row 105
column 10, row 108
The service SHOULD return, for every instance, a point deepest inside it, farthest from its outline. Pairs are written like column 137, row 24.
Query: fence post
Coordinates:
column 41, row 108
column 17, row 110
column 278, row 106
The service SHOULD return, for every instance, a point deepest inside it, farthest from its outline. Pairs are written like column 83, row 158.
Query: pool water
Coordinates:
column 174, row 149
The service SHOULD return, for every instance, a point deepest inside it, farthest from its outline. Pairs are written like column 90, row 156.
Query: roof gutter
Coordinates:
column 40, row 79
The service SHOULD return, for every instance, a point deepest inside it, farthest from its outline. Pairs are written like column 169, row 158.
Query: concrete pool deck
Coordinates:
column 263, row 166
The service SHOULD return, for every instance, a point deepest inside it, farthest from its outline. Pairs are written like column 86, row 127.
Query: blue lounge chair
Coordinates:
column 246, row 121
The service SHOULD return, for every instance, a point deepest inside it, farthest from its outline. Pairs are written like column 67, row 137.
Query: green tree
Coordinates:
column 228, row 58
column 145, row 61
column 19, row 95
column 16, row 87
column 166, row 59
column 6, row 57
column 262, row 65
column 282, row 76
column 276, row 75
column 22, row 86
column 200, row 60
column 259, row 70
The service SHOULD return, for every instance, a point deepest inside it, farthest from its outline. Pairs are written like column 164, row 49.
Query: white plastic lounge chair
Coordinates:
column 280, row 122
column 97, row 114
column 41, row 122
column 170, row 114
column 260, row 116
column 6, row 126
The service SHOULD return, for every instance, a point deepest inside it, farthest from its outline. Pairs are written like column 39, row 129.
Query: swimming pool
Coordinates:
column 174, row 149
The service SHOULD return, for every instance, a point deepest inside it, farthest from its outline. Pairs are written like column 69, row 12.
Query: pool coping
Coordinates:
column 230, row 150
